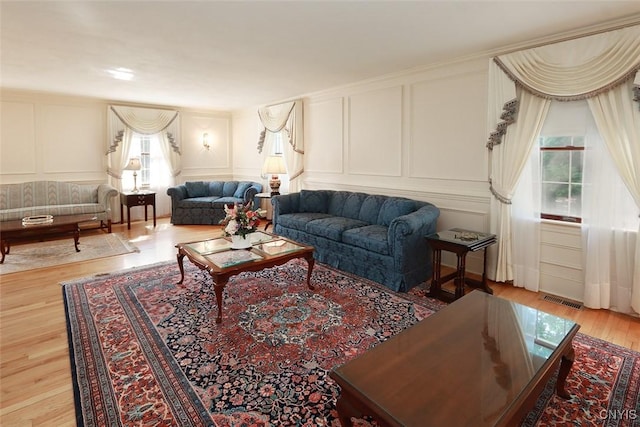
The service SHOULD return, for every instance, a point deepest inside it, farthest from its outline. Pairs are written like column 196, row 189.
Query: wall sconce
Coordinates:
column 205, row 140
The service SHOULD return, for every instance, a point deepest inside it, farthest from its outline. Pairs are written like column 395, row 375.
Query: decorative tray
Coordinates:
column 37, row 219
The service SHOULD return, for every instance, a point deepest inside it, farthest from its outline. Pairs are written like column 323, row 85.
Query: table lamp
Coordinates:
column 274, row 165
column 134, row 165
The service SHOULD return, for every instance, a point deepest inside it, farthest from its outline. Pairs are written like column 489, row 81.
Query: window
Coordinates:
column 561, row 166
column 155, row 171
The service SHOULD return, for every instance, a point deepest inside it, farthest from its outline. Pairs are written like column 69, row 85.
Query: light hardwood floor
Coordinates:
column 35, row 376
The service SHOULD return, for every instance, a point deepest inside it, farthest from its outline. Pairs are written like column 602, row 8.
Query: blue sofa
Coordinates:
column 202, row 202
column 378, row 237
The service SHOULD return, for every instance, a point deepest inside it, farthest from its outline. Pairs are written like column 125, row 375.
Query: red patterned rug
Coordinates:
column 147, row 352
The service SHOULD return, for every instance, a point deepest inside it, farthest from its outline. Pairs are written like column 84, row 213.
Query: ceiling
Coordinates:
column 227, row 55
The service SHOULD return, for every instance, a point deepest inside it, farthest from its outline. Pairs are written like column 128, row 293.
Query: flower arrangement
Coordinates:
column 240, row 220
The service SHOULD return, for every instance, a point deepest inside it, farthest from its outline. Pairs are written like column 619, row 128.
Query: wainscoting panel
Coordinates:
column 218, row 130
column 448, row 128
column 375, row 132
column 561, row 260
column 68, row 136
column 17, row 138
column 325, row 127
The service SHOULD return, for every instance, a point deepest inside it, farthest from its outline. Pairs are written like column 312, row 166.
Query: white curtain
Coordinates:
column 618, row 121
column 508, row 160
column 609, row 230
column 124, row 122
column 582, row 68
column 286, row 118
column 525, row 224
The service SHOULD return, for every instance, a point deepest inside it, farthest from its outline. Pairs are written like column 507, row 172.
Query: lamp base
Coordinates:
column 274, row 184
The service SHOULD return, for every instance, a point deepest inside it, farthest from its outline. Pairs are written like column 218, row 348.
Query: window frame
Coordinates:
column 567, row 148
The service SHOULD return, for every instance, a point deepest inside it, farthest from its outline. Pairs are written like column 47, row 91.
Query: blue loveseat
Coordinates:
column 202, row 202
column 378, row 237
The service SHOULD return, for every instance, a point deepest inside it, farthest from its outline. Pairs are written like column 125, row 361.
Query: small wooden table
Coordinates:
column 14, row 230
column 140, row 198
column 221, row 262
column 481, row 361
column 460, row 242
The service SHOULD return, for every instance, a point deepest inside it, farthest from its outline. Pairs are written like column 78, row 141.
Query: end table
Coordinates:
column 460, row 242
column 265, row 199
column 140, row 198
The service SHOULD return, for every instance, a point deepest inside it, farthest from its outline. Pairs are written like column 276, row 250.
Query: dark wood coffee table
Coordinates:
column 481, row 361
column 221, row 262
column 15, row 231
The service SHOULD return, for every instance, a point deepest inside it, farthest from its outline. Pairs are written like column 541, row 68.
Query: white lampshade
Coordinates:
column 274, row 165
column 134, row 164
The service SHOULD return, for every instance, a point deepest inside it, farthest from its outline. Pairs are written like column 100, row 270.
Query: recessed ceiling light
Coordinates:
column 121, row 73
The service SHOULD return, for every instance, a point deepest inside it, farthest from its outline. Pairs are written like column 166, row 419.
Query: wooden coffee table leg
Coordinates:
column 311, row 262
column 76, row 237
column 565, row 366
column 5, row 249
column 180, row 257
column 218, row 288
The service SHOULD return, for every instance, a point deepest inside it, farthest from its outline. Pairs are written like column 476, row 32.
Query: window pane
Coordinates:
column 555, row 141
column 555, row 166
column 578, row 141
column 575, row 201
column 576, row 166
column 555, row 198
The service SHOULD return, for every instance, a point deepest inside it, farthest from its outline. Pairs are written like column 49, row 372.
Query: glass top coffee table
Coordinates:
column 481, row 361
column 221, row 261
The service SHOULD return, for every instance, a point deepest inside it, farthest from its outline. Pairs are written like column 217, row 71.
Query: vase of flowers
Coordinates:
column 238, row 223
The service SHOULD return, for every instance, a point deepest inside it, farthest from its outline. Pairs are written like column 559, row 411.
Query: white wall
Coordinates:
column 421, row 135
column 56, row 137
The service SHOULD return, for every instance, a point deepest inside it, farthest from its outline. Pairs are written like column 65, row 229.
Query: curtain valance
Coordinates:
column 576, row 69
column 146, row 121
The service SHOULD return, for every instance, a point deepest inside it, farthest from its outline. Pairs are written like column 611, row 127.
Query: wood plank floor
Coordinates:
column 35, row 376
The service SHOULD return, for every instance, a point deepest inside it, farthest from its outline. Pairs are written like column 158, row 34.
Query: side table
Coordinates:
column 140, row 198
column 460, row 242
column 265, row 204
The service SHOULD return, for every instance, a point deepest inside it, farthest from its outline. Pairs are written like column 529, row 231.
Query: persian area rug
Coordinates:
column 30, row 256
column 147, row 352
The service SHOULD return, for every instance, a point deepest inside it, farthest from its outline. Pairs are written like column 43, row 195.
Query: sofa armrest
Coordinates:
column 105, row 193
column 250, row 194
column 177, row 193
column 285, row 204
column 407, row 234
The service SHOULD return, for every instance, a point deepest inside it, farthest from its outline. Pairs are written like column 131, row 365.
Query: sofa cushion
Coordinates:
column 353, row 204
column 197, row 202
column 370, row 237
column 313, row 201
column 215, row 188
column 299, row 221
column 370, row 208
column 394, row 207
column 229, row 188
column 197, row 188
column 242, row 187
column 333, row 226
column 222, row 201
column 337, row 201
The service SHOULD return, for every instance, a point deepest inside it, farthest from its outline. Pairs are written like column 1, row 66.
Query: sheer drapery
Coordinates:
column 576, row 69
column 610, row 225
column 525, row 211
column 618, row 121
column 286, row 118
column 124, row 123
